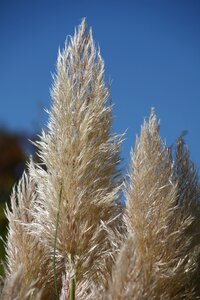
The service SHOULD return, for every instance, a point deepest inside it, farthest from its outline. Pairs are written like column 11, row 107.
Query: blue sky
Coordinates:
column 151, row 51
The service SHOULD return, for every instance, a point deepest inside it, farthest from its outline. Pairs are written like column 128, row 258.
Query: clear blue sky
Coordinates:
column 151, row 51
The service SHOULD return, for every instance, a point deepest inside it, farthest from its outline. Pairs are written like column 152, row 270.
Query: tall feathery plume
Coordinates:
column 76, row 207
column 28, row 262
column 156, row 257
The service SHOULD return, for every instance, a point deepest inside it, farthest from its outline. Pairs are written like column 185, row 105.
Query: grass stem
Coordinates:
column 54, row 248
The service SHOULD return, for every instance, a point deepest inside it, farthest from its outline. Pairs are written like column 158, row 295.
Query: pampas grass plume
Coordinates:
column 69, row 236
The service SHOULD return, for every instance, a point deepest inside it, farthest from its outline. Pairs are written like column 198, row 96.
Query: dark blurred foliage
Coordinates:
column 15, row 149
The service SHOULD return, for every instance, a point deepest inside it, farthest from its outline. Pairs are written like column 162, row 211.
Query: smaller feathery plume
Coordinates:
column 121, row 285
column 14, row 288
column 186, row 176
column 24, row 250
column 156, row 255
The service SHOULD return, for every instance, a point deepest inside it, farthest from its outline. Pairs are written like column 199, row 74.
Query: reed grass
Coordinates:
column 69, row 236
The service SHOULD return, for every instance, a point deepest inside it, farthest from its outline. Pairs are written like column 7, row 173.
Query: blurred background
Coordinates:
column 152, row 55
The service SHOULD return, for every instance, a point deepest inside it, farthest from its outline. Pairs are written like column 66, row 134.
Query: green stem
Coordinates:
column 72, row 282
column 54, row 248
column 72, row 288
